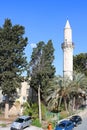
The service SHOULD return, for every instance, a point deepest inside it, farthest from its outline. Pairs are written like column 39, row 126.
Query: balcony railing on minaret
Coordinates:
column 65, row 45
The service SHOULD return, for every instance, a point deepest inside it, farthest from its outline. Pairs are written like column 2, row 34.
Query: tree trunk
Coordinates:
column 59, row 102
column 39, row 103
column 73, row 103
column 6, row 109
column 65, row 103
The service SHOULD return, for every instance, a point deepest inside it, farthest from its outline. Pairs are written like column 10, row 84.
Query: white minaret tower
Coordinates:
column 67, row 47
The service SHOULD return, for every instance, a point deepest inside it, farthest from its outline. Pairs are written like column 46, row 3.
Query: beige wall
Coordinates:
column 23, row 92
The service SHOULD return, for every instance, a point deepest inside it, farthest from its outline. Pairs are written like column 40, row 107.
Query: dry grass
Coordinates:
column 9, row 119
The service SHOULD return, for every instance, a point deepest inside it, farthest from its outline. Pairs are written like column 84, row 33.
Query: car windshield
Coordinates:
column 20, row 120
column 74, row 117
column 61, row 125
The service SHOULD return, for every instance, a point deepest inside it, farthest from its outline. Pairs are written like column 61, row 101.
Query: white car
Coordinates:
column 21, row 122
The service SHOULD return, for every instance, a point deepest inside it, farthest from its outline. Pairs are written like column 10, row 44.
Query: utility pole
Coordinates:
column 39, row 103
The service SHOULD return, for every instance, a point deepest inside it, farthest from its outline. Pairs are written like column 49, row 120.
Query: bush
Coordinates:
column 63, row 114
column 31, row 110
column 43, row 111
column 0, row 112
column 3, row 125
column 36, row 122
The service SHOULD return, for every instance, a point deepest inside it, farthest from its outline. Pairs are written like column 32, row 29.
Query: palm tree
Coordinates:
column 64, row 90
column 58, row 92
column 78, row 86
column 53, row 92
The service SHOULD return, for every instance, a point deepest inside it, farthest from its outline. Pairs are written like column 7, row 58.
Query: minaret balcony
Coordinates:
column 65, row 45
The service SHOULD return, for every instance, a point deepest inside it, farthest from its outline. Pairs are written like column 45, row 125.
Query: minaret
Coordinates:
column 67, row 47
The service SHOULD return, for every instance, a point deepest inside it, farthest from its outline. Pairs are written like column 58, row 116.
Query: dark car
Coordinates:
column 76, row 119
column 65, row 125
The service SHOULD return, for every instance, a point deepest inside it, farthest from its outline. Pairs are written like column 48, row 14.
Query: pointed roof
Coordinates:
column 67, row 24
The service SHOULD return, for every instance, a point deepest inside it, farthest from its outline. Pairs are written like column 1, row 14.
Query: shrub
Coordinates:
column 63, row 114
column 43, row 111
column 0, row 112
column 31, row 110
column 36, row 122
column 3, row 125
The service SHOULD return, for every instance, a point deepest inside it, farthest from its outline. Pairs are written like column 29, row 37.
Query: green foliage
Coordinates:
column 41, row 66
column 80, row 63
column 36, row 122
column 62, row 92
column 3, row 125
column 54, row 124
column 58, row 91
column 63, row 115
column 34, row 110
column 0, row 112
column 12, row 57
column 26, row 108
column 31, row 110
column 43, row 111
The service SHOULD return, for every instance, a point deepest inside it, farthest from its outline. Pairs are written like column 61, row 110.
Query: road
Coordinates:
column 28, row 128
column 82, row 126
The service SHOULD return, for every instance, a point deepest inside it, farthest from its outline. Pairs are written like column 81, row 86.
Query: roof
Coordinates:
column 23, row 117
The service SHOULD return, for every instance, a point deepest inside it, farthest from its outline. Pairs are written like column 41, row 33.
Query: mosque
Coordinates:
column 67, row 47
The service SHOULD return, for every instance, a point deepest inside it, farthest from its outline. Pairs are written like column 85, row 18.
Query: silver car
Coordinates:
column 21, row 122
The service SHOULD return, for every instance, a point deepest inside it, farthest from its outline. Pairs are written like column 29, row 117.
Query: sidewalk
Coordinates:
column 7, row 127
column 28, row 128
column 83, row 113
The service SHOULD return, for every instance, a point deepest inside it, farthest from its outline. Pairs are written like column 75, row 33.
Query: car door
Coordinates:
column 25, row 123
column 79, row 120
column 69, row 126
column 28, row 121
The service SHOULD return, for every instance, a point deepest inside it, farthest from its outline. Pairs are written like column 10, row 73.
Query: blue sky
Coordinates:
column 45, row 19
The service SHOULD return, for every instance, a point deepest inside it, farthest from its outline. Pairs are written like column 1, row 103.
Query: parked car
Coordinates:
column 65, row 125
column 76, row 119
column 21, row 122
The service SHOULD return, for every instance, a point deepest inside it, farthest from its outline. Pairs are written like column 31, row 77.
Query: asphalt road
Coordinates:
column 28, row 128
column 82, row 126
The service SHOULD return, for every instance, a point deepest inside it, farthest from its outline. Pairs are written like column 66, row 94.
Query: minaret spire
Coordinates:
column 68, row 33
column 67, row 24
column 67, row 47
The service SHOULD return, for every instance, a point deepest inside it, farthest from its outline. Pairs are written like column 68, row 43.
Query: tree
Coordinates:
column 65, row 91
column 58, row 93
column 41, row 68
column 41, row 65
column 78, row 87
column 12, row 57
column 80, row 63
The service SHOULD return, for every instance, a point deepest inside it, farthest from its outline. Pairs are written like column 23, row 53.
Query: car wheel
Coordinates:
column 81, row 122
column 21, row 128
